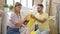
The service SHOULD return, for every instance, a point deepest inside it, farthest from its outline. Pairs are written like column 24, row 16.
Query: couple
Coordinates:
column 15, row 22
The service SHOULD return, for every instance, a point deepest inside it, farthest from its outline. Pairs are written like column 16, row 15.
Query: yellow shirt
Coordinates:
column 45, row 25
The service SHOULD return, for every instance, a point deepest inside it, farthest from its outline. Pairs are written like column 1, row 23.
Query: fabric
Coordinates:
column 38, row 31
column 45, row 25
column 31, row 22
column 42, row 32
column 25, row 30
column 13, row 31
column 14, row 19
column 45, row 32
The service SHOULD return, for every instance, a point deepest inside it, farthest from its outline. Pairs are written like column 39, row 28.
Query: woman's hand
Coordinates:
column 23, row 25
column 19, row 23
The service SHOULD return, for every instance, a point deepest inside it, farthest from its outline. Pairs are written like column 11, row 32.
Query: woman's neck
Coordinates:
column 18, row 14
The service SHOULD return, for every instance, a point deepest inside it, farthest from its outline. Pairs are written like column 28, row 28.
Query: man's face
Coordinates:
column 39, row 8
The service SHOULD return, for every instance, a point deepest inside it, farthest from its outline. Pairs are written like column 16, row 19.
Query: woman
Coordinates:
column 15, row 21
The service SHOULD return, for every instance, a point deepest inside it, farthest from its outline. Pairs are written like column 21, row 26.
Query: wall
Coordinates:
column 0, row 26
column 53, row 9
column 1, row 4
column 1, row 8
column 53, row 12
column 37, row 2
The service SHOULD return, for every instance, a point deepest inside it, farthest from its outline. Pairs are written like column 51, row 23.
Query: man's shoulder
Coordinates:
column 37, row 14
column 45, row 13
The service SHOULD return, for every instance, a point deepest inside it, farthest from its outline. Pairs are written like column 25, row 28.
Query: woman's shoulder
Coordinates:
column 13, row 14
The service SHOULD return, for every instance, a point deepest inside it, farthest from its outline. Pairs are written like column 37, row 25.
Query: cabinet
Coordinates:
column 58, row 16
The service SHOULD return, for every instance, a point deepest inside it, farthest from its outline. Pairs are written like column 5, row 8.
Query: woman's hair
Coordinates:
column 17, row 4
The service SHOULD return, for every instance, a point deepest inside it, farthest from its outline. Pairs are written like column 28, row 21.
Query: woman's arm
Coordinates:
column 22, row 21
column 19, row 23
column 15, row 20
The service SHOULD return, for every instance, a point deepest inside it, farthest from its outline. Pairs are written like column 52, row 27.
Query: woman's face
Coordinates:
column 18, row 8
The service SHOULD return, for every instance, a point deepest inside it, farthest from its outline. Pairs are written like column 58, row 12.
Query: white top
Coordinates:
column 13, row 20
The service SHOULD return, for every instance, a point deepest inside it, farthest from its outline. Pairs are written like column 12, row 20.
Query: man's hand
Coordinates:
column 33, row 16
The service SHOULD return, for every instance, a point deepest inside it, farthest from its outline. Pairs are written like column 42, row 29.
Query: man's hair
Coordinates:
column 40, row 5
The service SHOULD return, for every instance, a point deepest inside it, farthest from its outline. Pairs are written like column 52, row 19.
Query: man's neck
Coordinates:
column 41, row 12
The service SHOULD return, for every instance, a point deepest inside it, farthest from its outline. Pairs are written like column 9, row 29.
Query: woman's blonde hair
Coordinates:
column 17, row 4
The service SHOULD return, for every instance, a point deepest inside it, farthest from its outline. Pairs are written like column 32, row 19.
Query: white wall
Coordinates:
column 4, row 23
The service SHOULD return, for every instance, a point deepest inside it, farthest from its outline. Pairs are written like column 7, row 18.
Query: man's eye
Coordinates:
column 19, row 7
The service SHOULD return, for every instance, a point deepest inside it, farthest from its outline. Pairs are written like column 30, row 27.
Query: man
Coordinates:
column 41, row 19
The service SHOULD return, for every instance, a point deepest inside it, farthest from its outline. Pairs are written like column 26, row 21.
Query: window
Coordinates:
column 30, row 3
column 16, row 1
column 44, row 4
column 24, row 3
column 10, row 2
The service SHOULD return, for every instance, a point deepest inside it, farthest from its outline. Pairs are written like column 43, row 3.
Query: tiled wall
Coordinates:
column 1, row 4
column 0, row 25
column 1, row 7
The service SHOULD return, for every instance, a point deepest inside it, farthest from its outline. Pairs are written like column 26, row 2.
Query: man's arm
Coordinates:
column 42, row 20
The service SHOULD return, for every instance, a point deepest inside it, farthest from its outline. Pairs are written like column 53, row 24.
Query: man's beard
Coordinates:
column 38, row 11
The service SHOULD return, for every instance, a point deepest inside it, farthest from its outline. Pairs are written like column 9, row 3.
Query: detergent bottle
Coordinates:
column 33, row 32
column 37, row 29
